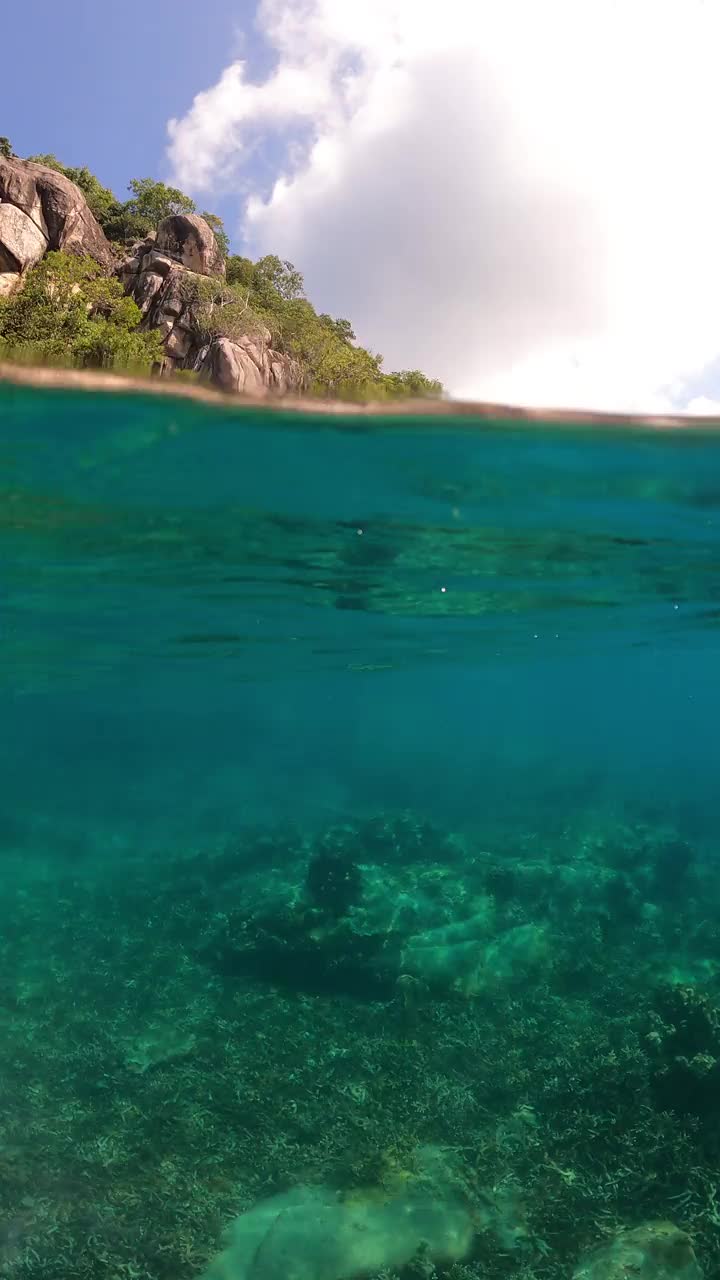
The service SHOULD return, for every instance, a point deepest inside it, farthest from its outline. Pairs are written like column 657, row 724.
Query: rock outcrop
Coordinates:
column 41, row 209
column 165, row 274
column 248, row 364
column 22, row 245
column 653, row 1251
column 188, row 239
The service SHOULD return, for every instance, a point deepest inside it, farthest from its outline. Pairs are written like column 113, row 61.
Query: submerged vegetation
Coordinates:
column 535, row 1014
column 92, row 329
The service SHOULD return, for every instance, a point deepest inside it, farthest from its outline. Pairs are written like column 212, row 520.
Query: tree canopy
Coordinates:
column 69, row 311
column 272, row 290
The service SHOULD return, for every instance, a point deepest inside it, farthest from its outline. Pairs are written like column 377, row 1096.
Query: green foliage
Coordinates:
column 122, row 226
column 100, row 199
column 240, row 270
column 273, row 291
column 151, row 202
column 342, row 328
column 6, row 150
column 274, row 277
column 93, row 324
column 334, row 366
column 411, row 382
column 154, row 201
column 217, row 226
column 70, row 311
column 222, row 309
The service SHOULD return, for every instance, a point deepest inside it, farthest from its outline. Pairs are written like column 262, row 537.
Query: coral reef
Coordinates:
column 191, row 1040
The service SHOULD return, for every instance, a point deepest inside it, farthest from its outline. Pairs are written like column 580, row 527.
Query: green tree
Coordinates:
column 278, row 276
column 122, row 226
column 6, row 150
column 221, row 309
column 217, row 226
column 240, row 271
column 154, row 201
column 411, row 382
column 101, row 200
column 69, row 310
column 342, row 328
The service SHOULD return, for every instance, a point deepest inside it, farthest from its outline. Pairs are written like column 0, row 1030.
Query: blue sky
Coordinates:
column 420, row 165
column 97, row 83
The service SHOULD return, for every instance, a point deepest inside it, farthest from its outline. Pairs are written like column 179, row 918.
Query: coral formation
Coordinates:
column 315, row 1233
column 477, row 1055
column 653, row 1251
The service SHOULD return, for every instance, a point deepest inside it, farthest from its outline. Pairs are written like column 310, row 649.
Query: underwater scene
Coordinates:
column 360, row 845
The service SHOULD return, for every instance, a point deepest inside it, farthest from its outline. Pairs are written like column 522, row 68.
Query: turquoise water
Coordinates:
column 359, row 800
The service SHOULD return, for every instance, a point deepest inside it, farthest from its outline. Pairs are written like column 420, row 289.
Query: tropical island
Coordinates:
column 149, row 285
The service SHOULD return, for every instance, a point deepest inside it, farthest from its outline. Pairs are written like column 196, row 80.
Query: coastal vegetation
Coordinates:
column 72, row 310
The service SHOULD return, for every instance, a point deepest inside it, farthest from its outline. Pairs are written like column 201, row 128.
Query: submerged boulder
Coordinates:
column 653, row 1251
column 314, row 1233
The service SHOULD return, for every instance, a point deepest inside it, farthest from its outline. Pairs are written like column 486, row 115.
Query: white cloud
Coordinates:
column 520, row 198
column 703, row 405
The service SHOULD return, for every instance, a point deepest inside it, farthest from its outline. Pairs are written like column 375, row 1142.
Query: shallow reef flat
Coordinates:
column 219, row 1059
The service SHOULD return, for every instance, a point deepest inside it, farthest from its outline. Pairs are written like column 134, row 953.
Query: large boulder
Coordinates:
column 190, row 241
column 56, row 207
column 249, row 365
column 22, row 243
column 653, row 1251
column 156, row 274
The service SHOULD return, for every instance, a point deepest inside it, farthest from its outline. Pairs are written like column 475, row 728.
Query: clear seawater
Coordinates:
column 231, row 638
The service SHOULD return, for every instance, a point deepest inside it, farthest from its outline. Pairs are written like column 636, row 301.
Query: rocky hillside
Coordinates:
column 150, row 283
column 167, row 274
column 42, row 210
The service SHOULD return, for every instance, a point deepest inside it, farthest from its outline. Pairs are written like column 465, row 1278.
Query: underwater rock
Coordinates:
column 157, row 1044
column 684, row 1047
column 654, row 1251
column 298, row 950
column 334, row 882
column 354, row 923
column 314, row 1233
column 460, row 958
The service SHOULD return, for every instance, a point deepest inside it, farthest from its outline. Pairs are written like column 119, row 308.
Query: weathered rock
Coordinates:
column 654, row 1251
column 188, row 238
column 9, row 281
column 231, row 367
column 166, row 292
column 246, row 365
column 56, row 206
column 22, row 243
column 314, row 1233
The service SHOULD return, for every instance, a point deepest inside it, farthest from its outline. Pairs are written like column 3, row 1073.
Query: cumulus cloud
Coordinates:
column 520, row 198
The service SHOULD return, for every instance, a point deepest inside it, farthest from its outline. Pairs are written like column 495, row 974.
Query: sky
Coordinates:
column 519, row 197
